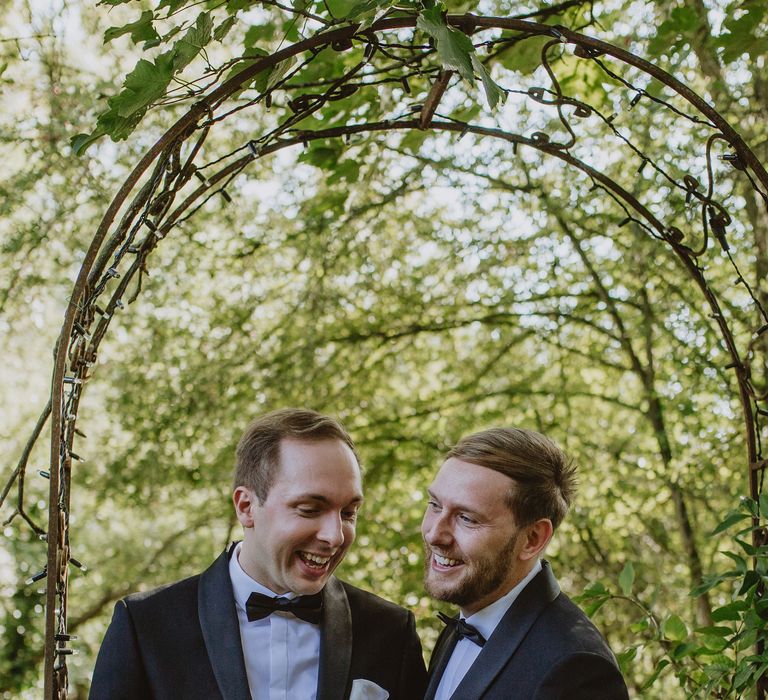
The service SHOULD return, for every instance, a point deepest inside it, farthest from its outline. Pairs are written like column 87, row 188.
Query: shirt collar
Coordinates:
column 485, row 620
column 243, row 585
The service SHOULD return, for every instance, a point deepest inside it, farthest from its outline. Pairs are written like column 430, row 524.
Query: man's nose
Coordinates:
column 331, row 530
column 435, row 529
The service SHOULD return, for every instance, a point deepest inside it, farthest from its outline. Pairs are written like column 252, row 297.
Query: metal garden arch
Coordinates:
column 171, row 181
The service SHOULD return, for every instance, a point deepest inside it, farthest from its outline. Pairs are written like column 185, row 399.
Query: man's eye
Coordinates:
column 308, row 512
column 350, row 515
column 433, row 505
column 466, row 519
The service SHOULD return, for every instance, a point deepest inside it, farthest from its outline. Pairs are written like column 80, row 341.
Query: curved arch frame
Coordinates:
column 77, row 343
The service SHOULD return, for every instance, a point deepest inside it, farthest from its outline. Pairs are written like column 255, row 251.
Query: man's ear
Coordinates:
column 245, row 501
column 537, row 537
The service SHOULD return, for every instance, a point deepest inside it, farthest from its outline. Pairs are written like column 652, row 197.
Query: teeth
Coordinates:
column 314, row 558
column 445, row 561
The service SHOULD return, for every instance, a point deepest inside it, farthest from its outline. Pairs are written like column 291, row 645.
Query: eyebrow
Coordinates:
column 357, row 500
column 459, row 506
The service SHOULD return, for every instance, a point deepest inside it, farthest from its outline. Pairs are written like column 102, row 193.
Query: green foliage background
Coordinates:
column 416, row 286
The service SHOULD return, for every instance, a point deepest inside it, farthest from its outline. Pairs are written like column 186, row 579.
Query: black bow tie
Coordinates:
column 463, row 629
column 305, row 607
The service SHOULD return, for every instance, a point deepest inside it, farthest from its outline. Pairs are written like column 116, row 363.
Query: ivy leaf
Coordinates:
column 340, row 9
column 146, row 83
column 321, row 155
column 524, row 56
column 140, row 30
column 493, row 93
column 264, row 79
column 627, row 578
column 453, row 47
column 456, row 52
column 172, row 5
column 197, row 37
column 223, row 29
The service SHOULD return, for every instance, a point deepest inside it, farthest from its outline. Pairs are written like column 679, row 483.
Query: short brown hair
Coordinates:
column 544, row 475
column 258, row 452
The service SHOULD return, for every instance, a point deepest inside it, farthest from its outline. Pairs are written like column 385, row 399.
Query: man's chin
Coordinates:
column 440, row 590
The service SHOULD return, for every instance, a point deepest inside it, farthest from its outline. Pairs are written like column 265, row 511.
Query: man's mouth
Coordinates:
column 445, row 562
column 315, row 561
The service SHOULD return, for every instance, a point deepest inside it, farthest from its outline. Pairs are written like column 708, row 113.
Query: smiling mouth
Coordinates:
column 315, row 561
column 445, row 562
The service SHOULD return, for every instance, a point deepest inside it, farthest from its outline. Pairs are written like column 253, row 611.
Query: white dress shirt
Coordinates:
column 465, row 652
column 282, row 652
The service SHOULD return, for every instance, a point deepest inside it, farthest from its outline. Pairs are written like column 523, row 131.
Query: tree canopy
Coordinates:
column 420, row 284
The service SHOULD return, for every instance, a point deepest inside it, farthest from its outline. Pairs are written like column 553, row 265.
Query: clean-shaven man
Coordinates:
column 268, row 620
column 492, row 510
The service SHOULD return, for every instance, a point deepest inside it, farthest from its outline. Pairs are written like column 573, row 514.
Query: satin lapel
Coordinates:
column 335, row 643
column 221, row 630
column 509, row 633
column 439, row 660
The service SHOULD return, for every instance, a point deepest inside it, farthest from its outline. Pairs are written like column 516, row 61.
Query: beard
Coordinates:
column 483, row 576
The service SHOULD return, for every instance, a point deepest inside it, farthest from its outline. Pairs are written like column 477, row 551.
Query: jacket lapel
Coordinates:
column 509, row 633
column 335, row 643
column 221, row 630
column 439, row 660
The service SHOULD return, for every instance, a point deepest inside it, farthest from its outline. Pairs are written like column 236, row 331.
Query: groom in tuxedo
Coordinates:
column 268, row 619
column 492, row 510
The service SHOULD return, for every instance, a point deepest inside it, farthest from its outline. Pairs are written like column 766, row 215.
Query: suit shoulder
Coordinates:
column 575, row 631
column 371, row 604
column 162, row 595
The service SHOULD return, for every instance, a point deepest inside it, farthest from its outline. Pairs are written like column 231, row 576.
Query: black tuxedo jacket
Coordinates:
column 544, row 648
column 183, row 641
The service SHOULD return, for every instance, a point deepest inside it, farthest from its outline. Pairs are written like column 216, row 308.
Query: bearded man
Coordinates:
column 492, row 510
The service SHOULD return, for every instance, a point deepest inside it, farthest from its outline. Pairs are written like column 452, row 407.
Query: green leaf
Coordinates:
column 719, row 631
column 626, row 656
column 269, row 77
column 751, row 578
column 732, row 611
column 493, row 93
column 347, row 170
column 731, row 519
column 682, row 22
column 453, row 47
column 223, row 29
column 594, row 589
column 196, row 38
column 140, row 30
column 681, row 650
column 748, row 547
column 524, row 56
column 146, row 83
column 340, row 9
column 763, row 501
column 456, row 52
column 656, row 672
column 594, row 605
column 321, row 155
column 741, row 563
column 674, row 628
column 172, row 5
column 627, row 578
column 81, row 142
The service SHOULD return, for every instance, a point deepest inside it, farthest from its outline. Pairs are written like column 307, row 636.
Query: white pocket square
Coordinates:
column 363, row 689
